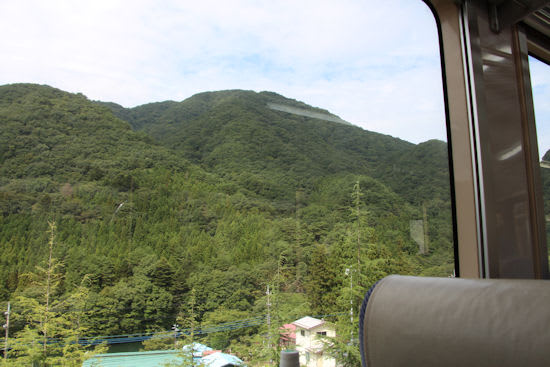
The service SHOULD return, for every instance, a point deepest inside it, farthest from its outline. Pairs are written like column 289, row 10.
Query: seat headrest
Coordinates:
column 417, row 321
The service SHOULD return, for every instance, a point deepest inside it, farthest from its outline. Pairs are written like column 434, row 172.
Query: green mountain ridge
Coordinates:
column 235, row 132
column 207, row 201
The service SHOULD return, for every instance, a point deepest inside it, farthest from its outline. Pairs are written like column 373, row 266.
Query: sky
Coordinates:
column 344, row 56
column 540, row 83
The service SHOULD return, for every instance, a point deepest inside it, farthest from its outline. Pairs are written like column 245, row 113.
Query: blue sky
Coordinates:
column 540, row 82
column 344, row 56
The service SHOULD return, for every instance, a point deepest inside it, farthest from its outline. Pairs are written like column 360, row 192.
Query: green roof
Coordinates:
column 160, row 358
column 135, row 359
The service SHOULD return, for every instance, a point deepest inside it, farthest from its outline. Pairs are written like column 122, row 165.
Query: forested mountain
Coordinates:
column 236, row 134
column 205, row 202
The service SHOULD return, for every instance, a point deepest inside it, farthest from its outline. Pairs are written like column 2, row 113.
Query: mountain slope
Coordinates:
column 269, row 198
column 50, row 133
column 207, row 123
column 235, row 133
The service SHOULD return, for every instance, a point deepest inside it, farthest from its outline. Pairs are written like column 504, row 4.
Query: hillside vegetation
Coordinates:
column 205, row 202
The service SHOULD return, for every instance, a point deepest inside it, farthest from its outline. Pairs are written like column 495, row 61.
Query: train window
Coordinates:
column 540, row 81
column 223, row 170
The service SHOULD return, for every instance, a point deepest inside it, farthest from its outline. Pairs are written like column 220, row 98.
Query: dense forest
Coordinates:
column 117, row 221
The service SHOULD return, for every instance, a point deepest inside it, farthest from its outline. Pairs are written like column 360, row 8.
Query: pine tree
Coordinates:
column 356, row 196
column 41, row 320
column 323, row 281
column 53, row 326
column 188, row 321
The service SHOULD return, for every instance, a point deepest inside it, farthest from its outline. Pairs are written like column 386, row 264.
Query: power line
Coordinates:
column 139, row 337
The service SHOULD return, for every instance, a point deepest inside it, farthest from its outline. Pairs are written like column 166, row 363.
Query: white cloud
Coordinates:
column 375, row 64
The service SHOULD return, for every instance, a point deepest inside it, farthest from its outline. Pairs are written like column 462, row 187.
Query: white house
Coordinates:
column 308, row 343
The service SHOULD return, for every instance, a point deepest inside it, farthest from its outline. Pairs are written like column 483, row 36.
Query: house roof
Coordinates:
column 159, row 358
column 208, row 352
column 290, row 327
column 308, row 322
column 220, row 360
column 198, row 349
column 134, row 359
column 288, row 331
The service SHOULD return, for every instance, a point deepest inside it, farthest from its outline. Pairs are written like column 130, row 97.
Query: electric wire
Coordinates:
column 140, row 337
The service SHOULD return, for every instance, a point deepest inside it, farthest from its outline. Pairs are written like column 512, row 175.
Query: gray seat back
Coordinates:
column 415, row 321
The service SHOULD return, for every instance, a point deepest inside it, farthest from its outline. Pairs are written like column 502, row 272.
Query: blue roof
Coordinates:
column 221, row 359
column 198, row 349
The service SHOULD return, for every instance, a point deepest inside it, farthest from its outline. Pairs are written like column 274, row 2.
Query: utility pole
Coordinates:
column 7, row 327
column 349, row 271
column 268, row 304
column 297, row 236
column 425, row 222
column 175, row 327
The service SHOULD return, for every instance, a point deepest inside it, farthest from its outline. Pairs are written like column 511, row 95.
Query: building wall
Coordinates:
column 310, row 346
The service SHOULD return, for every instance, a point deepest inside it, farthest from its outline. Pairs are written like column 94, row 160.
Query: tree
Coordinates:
column 356, row 196
column 223, row 339
column 38, row 312
column 341, row 348
column 132, row 305
column 53, row 325
column 188, row 320
column 162, row 340
column 323, row 281
column 26, row 348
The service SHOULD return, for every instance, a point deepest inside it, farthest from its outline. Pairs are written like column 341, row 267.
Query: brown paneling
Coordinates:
column 490, row 114
column 458, row 119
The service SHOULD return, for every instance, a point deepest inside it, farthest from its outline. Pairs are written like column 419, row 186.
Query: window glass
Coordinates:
column 540, row 82
column 209, row 172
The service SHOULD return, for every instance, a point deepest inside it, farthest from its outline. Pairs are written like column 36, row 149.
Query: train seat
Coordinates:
column 417, row 321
